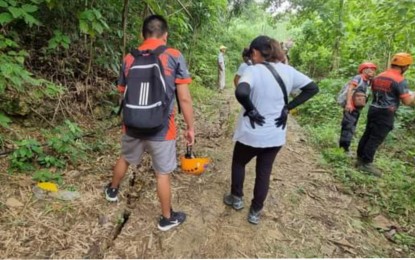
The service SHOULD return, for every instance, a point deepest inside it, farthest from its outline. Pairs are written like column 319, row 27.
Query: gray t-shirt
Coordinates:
column 268, row 98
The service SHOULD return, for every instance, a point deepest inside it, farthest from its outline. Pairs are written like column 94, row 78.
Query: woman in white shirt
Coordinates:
column 260, row 131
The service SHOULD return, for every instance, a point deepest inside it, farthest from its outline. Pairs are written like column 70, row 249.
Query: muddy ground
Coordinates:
column 307, row 213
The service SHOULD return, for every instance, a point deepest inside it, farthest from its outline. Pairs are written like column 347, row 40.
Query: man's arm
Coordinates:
column 186, row 105
column 236, row 80
column 349, row 101
column 408, row 99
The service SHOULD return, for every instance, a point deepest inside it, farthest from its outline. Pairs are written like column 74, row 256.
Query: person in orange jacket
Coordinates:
column 389, row 89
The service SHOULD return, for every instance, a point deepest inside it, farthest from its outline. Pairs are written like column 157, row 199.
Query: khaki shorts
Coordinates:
column 163, row 153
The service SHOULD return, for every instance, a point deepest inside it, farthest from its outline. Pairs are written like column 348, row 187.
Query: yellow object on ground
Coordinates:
column 48, row 186
column 294, row 112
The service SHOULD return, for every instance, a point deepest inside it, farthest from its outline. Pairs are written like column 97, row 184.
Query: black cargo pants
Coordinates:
column 379, row 124
column 348, row 128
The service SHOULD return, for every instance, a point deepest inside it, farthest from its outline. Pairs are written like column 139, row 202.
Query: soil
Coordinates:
column 307, row 213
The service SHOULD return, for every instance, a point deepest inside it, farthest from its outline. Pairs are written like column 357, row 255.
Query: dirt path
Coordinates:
column 306, row 214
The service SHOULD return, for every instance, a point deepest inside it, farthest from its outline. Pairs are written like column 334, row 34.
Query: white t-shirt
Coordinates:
column 241, row 69
column 268, row 98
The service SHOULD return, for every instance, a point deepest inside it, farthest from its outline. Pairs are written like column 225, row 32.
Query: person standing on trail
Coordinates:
column 221, row 68
column 389, row 88
column 358, row 87
column 161, row 145
column 243, row 66
column 261, row 129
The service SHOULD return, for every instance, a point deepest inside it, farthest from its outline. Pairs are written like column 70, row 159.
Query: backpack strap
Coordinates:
column 279, row 80
column 157, row 51
column 179, row 110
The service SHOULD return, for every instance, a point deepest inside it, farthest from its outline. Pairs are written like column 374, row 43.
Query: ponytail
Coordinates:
column 269, row 48
column 276, row 54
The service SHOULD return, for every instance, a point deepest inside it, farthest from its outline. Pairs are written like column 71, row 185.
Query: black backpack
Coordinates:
column 147, row 99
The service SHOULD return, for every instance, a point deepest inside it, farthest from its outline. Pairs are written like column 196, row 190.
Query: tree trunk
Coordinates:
column 338, row 38
column 124, row 27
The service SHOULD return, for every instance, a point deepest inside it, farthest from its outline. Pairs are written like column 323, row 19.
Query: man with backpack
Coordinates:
column 149, row 78
column 353, row 98
column 389, row 88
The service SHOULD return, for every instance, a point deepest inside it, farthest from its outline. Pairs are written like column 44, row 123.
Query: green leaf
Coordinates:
column 3, row 4
column 4, row 120
column 29, row 8
column 83, row 26
column 30, row 20
column 52, row 44
column 16, row 12
column 12, row 2
column 5, row 18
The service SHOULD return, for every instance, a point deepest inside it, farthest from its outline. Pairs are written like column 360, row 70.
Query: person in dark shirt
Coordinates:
column 389, row 88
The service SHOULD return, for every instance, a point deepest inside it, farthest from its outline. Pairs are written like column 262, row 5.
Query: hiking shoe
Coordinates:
column 235, row 202
column 176, row 218
column 254, row 216
column 371, row 169
column 111, row 194
column 358, row 163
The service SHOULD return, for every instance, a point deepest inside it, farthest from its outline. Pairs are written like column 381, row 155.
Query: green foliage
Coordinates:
column 61, row 147
column 4, row 120
column 51, row 161
column 351, row 32
column 2, row 142
column 62, row 140
column 47, row 176
column 92, row 22
column 25, row 155
column 13, row 10
column 12, row 71
column 59, row 40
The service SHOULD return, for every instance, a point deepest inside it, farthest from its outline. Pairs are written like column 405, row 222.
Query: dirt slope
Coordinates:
column 306, row 213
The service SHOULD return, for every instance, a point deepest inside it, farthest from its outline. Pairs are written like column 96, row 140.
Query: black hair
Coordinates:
column 269, row 48
column 154, row 26
column 246, row 53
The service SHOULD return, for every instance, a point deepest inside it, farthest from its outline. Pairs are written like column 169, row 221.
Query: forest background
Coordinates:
column 59, row 61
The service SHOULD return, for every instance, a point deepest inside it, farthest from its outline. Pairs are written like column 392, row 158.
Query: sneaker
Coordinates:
column 176, row 218
column 371, row 169
column 111, row 193
column 254, row 216
column 235, row 202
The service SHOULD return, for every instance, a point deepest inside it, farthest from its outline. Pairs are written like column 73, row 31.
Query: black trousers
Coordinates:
column 265, row 157
column 379, row 124
column 348, row 129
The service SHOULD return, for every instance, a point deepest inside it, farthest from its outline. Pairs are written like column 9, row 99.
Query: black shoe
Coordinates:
column 254, row 216
column 235, row 202
column 176, row 218
column 111, row 194
column 359, row 162
column 370, row 169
